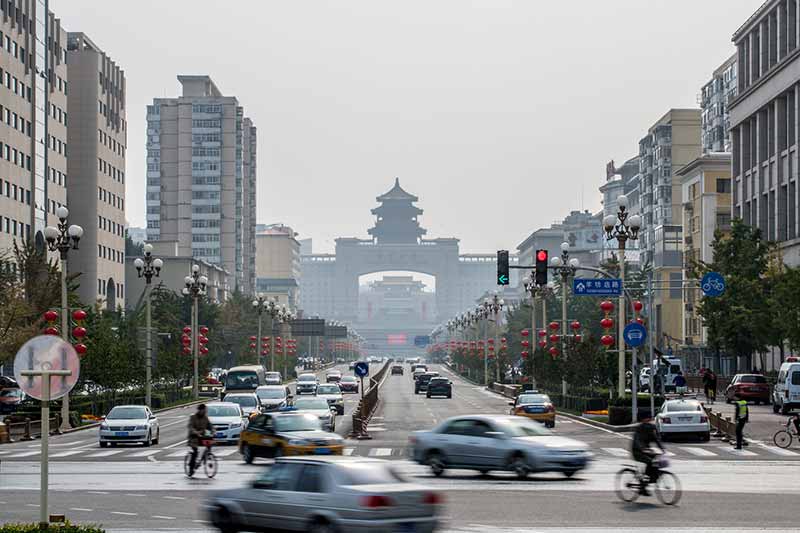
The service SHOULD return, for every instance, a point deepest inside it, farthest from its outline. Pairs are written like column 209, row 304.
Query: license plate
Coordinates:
column 322, row 451
column 120, row 433
column 534, row 410
column 684, row 418
column 219, row 435
column 405, row 528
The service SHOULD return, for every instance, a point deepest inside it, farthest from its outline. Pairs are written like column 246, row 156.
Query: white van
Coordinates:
column 786, row 393
column 673, row 366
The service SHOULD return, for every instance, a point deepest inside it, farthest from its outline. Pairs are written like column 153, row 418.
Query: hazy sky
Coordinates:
column 500, row 115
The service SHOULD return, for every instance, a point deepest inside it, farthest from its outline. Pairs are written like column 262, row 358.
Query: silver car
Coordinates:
column 491, row 442
column 331, row 393
column 273, row 378
column 249, row 402
column 273, row 397
column 129, row 423
column 323, row 494
column 320, row 408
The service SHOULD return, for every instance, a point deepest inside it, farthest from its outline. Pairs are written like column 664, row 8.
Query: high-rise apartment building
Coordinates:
column 715, row 121
column 97, row 137
column 278, row 264
column 764, row 124
column 201, row 177
column 33, row 112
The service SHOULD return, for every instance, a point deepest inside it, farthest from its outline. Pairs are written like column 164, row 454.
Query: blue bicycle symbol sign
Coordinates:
column 712, row 284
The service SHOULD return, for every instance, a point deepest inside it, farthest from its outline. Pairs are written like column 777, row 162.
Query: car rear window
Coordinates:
column 533, row 398
column 674, row 407
column 348, row 379
column 438, row 380
column 307, row 377
column 328, row 389
column 752, row 379
column 369, row 474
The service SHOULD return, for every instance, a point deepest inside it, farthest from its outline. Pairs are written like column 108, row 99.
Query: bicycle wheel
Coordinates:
column 782, row 439
column 626, row 485
column 210, row 465
column 187, row 461
column 668, row 488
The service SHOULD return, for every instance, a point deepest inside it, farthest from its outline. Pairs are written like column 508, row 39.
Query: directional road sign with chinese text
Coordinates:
column 596, row 287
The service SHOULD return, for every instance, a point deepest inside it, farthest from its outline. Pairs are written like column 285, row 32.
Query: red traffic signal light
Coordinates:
column 541, row 255
column 540, row 274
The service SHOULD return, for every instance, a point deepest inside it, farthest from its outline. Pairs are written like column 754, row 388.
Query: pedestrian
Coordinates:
column 742, row 417
column 713, row 385
column 680, row 383
column 707, row 380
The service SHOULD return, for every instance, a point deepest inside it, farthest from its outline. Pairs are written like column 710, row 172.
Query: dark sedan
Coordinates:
column 421, row 384
column 397, row 369
column 439, row 386
column 348, row 384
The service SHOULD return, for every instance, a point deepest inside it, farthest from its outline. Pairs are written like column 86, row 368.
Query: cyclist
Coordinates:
column 795, row 418
column 199, row 424
column 644, row 437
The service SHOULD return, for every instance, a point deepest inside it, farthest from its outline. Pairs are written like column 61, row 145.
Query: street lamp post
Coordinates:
column 530, row 286
column 146, row 268
column 493, row 306
column 622, row 227
column 195, row 287
column 260, row 304
column 565, row 267
column 63, row 238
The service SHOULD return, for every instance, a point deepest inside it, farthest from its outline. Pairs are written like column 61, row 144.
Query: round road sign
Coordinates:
column 42, row 353
column 361, row 369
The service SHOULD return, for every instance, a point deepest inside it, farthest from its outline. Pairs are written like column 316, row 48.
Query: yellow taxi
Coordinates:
column 535, row 406
column 285, row 432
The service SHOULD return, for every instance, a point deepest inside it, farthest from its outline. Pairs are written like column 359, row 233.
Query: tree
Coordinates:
column 133, row 249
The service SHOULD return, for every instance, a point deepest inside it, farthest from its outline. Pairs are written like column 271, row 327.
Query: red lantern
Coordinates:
column 525, row 343
column 187, row 330
column 253, row 345
column 542, row 333
column 185, row 340
column 553, row 351
column 524, row 332
column 264, row 352
column 491, row 348
column 187, row 350
column 265, row 339
column 204, row 330
column 253, row 338
column 278, row 339
column 554, row 326
column 637, row 306
column 607, row 323
column 554, row 338
column 640, row 320
column 490, row 341
column 79, row 332
column 607, row 340
column 203, row 350
column 542, row 344
column 606, row 306
column 265, row 345
column 204, row 340
column 504, row 340
column 50, row 316
column 50, row 330
column 524, row 354
column 81, row 349
column 578, row 338
column 575, row 325
column 78, row 315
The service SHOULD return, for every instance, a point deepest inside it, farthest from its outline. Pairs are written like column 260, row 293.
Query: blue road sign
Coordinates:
column 713, row 284
column 361, row 369
column 634, row 334
column 596, row 287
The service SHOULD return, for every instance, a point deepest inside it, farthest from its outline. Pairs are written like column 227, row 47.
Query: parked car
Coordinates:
column 306, row 384
column 331, row 393
column 683, row 417
column 397, row 369
column 10, row 399
column 786, row 393
column 333, row 376
column 129, row 424
column 497, row 442
column 345, row 494
column 249, row 403
column 318, row 407
column 439, row 386
column 273, row 397
column 273, row 378
column 227, row 421
column 287, row 433
column 535, row 407
column 349, row 384
column 421, row 383
column 750, row 387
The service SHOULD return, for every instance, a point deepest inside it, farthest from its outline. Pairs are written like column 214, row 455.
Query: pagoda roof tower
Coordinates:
column 397, row 218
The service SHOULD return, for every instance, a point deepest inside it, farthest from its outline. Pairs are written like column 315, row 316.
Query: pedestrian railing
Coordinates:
column 723, row 426
column 367, row 405
column 29, row 429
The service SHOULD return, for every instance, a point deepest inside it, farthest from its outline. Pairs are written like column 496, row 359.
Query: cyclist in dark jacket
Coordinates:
column 199, row 424
column 644, row 437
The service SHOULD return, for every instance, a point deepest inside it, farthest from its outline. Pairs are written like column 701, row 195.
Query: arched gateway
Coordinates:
column 329, row 284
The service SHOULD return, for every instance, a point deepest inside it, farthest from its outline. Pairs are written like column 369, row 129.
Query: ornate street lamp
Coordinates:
column 564, row 267
column 147, row 268
column 195, row 287
column 493, row 306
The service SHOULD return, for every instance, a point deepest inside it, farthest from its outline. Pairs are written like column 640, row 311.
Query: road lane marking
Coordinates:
column 66, row 454
column 780, row 451
column 700, row 452
column 226, row 453
column 81, row 509
column 135, row 495
column 122, row 513
column 174, row 498
column 163, row 517
column 616, row 452
column 380, row 452
column 24, row 454
column 96, row 492
column 32, row 504
column 734, row 451
column 178, row 454
column 176, row 444
column 348, row 451
column 105, row 453
column 144, row 453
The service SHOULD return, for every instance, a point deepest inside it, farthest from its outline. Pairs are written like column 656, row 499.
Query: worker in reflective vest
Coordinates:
column 742, row 417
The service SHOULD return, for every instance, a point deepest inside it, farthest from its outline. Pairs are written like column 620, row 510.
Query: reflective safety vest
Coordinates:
column 741, row 410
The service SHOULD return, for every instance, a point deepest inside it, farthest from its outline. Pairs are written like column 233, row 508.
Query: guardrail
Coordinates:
column 724, row 427
column 509, row 391
column 367, row 405
column 28, row 429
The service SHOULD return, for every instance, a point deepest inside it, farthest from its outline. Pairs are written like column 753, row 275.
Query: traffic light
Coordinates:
column 502, row 267
column 541, row 267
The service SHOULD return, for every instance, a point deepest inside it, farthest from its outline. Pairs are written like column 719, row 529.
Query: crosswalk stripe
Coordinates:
column 67, row 453
column 177, row 454
column 616, row 452
column 780, row 451
column 226, row 453
column 144, row 453
column 700, row 452
column 380, row 452
column 24, row 454
column 348, row 451
column 734, row 451
column 105, row 453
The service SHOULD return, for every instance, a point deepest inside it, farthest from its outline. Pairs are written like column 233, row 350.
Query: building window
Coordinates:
column 724, row 186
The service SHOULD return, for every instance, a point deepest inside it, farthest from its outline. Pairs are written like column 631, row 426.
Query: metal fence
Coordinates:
column 366, row 406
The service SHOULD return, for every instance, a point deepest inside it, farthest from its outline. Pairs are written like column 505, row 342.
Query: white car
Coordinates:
column 320, row 408
column 273, row 378
column 227, row 420
column 249, row 402
column 683, row 417
column 644, row 379
column 331, row 393
column 273, row 397
column 128, row 424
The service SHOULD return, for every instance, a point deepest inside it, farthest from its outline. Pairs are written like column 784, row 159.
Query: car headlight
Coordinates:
column 141, row 427
column 298, row 442
column 104, row 426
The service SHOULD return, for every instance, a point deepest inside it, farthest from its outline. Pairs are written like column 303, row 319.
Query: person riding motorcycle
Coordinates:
column 644, row 437
column 199, row 425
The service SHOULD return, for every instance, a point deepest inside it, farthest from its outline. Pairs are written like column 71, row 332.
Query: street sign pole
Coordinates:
column 650, row 318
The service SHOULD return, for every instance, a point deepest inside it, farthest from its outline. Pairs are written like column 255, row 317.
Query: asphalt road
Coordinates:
column 722, row 490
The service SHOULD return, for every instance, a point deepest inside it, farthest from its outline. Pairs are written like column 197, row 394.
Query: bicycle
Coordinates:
column 207, row 459
column 629, row 482
column 783, row 437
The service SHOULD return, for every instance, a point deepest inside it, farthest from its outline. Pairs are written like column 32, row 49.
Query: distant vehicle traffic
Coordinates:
column 249, row 402
column 244, row 379
column 397, row 369
column 333, row 376
column 127, row 424
column 421, row 383
column 227, row 420
column 535, row 407
column 683, row 417
column 273, row 397
column 306, row 384
column 331, row 393
column 439, row 386
column 273, row 378
column 349, row 384
column 318, row 407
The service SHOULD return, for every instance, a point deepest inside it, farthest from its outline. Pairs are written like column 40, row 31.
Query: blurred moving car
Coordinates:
column 397, row 369
column 497, row 442
column 418, row 366
column 325, row 494
column 129, row 424
column 439, row 386
column 249, row 403
column 421, row 383
column 333, row 376
column 273, row 397
column 318, row 407
column 536, row 407
column 349, row 384
column 683, row 417
column 10, row 399
column 287, row 433
column 750, row 387
column 331, row 393
column 245, row 378
column 273, row 378
column 227, row 421
column 306, row 384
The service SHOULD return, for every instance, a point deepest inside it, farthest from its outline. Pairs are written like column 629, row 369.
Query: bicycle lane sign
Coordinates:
column 712, row 284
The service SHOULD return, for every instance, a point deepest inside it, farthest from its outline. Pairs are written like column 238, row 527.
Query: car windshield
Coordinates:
column 11, row 393
column 438, row 381
column 222, row 410
column 271, row 394
column 328, row 389
column 297, row 423
column 273, row 375
column 369, row 474
column 524, row 429
column 533, row 398
column 674, row 407
column 127, row 413
column 348, row 379
column 311, row 403
column 307, row 377
column 242, row 379
column 752, row 379
column 244, row 401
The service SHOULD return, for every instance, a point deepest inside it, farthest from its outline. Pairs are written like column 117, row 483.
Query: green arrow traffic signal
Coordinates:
column 502, row 279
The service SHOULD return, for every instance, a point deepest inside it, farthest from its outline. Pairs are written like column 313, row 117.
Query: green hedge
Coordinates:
column 54, row 528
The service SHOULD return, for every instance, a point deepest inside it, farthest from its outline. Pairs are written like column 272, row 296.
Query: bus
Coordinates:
column 245, row 379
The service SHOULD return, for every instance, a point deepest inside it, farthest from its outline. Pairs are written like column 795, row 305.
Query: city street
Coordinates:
column 146, row 489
